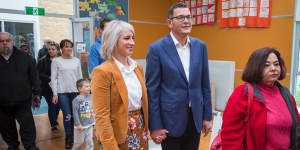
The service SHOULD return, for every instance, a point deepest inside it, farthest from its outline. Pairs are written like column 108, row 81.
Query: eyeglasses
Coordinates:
column 7, row 41
column 181, row 18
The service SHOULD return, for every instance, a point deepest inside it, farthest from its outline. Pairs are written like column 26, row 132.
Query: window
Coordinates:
column 22, row 33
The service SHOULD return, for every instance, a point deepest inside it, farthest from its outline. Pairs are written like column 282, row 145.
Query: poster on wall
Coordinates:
column 99, row 9
column 203, row 11
column 245, row 13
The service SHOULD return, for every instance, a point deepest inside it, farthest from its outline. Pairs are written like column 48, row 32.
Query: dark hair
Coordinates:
column 175, row 5
column 24, row 45
column 55, row 45
column 63, row 43
column 52, row 43
column 103, row 21
column 256, row 64
column 80, row 82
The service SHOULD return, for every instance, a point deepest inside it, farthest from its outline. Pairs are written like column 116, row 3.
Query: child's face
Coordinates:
column 85, row 89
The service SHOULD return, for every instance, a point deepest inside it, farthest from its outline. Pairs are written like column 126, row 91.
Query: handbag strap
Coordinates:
column 250, row 99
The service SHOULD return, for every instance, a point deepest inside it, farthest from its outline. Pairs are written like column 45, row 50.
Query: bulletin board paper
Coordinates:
column 204, row 11
column 245, row 13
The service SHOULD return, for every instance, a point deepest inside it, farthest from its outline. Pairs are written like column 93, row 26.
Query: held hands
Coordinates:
column 159, row 135
column 55, row 99
column 206, row 127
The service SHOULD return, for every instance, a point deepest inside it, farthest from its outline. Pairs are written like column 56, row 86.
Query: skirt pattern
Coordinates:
column 137, row 136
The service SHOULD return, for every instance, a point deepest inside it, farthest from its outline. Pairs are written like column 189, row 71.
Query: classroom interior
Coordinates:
column 225, row 44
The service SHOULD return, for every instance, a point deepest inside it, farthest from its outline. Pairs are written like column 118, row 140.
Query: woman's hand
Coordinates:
column 55, row 99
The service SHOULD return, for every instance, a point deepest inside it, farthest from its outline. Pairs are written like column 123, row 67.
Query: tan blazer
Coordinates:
column 110, row 99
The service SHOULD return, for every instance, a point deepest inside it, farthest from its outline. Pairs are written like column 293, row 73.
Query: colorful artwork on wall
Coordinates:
column 98, row 9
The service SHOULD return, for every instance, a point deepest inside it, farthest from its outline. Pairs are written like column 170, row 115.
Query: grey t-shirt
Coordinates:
column 83, row 111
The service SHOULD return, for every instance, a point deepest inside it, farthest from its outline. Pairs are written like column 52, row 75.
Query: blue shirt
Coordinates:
column 95, row 58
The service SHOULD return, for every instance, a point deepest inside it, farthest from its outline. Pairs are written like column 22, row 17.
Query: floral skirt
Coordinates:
column 136, row 138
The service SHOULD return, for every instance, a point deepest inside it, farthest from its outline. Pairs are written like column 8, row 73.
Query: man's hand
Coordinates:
column 55, row 99
column 79, row 127
column 159, row 135
column 36, row 101
column 206, row 127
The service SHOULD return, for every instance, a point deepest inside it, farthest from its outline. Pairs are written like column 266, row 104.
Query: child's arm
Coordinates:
column 79, row 127
column 76, row 107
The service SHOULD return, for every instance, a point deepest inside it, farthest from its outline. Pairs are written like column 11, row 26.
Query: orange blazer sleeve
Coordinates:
column 101, row 83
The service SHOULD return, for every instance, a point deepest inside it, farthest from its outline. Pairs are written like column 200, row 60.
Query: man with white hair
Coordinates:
column 19, row 84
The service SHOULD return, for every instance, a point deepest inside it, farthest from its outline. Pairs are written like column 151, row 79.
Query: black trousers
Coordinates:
column 53, row 109
column 23, row 114
column 188, row 141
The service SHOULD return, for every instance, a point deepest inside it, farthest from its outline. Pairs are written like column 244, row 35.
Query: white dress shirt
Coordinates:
column 133, row 85
column 184, row 54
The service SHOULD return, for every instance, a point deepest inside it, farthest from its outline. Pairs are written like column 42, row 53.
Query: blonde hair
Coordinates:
column 111, row 35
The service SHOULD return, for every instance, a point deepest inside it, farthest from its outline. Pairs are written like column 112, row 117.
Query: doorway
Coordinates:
column 83, row 38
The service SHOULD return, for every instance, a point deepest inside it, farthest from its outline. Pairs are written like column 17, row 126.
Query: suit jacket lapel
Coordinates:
column 171, row 50
column 119, row 81
column 193, row 57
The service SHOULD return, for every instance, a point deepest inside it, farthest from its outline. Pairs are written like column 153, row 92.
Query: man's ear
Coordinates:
column 170, row 23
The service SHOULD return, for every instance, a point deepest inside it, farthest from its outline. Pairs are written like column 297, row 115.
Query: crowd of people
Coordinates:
column 172, row 102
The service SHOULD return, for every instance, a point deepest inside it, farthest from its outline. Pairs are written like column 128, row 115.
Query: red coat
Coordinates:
column 234, row 125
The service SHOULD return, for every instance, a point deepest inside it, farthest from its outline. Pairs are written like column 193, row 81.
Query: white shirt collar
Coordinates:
column 176, row 42
column 132, row 65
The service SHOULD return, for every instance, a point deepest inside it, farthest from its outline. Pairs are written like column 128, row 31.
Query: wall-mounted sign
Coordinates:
column 34, row 11
column 80, row 47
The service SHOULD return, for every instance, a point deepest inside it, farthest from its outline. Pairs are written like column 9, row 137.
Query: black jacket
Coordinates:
column 42, row 52
column 44, row 69
column 18, row 78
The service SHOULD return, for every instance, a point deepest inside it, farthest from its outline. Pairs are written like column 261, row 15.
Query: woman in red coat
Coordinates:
column 273, row 115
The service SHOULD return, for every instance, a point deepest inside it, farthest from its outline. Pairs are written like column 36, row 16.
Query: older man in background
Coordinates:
column 19, row 83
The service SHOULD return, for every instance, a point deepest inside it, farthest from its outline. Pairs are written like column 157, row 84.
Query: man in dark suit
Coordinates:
column 177, row 80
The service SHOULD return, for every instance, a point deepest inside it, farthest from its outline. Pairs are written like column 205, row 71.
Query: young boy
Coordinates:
column 84, row 117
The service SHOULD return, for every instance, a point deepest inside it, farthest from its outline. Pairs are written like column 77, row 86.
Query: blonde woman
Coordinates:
column 119, row 92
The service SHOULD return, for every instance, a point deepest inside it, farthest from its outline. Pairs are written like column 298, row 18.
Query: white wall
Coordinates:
column 20, row 5
column 17, row 4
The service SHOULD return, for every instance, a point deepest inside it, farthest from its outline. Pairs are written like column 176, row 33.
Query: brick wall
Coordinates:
column 54, row 27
